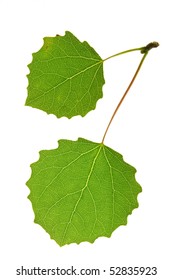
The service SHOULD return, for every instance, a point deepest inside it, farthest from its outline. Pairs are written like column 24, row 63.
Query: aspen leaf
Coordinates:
column 81, row 191
column 66, row 77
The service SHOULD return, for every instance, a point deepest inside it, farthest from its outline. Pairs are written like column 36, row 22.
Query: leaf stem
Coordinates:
column 144, row 51
column 127, row 51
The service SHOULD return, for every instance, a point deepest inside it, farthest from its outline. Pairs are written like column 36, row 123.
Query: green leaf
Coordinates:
column 82, row 190
column 66, row 77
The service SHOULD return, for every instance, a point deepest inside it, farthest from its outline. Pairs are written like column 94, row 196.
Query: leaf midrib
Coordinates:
column 60, row 84
column 82, row 191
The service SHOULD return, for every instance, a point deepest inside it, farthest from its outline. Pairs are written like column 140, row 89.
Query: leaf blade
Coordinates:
column 66, row 77
column 89, row 193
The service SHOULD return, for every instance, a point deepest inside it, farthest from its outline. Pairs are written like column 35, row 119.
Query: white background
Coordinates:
column 141, row 131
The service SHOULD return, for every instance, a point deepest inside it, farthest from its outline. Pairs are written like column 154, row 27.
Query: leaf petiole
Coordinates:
column 144, row 51
column 124, row 52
